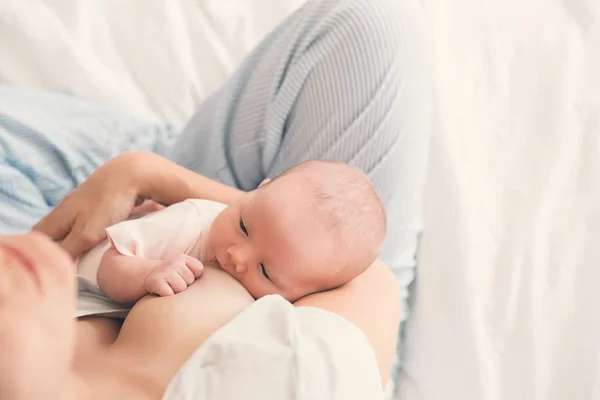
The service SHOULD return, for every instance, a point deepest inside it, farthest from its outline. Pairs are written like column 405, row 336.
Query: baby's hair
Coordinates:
column 343, row 200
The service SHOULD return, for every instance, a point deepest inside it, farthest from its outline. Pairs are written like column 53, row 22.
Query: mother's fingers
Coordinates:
column 147, row 206
column 57, row 224
column 85, row 234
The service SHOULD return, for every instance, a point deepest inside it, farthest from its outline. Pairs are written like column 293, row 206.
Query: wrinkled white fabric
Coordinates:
column 509, row 265
column 160, row 66
column 273, row 350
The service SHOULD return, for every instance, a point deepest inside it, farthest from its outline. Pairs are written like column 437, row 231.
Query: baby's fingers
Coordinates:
column 186, row 274
column 160, row 287
column 195, row 266
column 177, row 283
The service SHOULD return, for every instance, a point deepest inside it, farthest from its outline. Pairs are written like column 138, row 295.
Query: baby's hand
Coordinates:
column 173, row 275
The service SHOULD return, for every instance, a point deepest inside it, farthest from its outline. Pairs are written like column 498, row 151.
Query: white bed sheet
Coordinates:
column 509, row 278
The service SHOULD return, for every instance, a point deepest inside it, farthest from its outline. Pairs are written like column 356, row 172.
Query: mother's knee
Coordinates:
column 382, row 29
column 378, row 58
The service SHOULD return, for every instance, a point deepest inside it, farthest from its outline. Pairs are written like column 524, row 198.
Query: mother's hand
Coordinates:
column 107, row 197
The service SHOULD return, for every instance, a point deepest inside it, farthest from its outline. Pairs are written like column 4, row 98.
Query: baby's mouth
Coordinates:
column 225, row 266
column 217, row 263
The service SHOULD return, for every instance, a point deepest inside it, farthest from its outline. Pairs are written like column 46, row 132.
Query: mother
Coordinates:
column 340, row 79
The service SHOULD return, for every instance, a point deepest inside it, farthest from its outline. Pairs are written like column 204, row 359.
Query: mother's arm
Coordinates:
column 108, row 196
column 371, row 302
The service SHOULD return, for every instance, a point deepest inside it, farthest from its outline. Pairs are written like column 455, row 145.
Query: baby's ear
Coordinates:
column 263, row 183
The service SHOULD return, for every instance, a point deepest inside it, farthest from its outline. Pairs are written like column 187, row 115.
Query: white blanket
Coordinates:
column 301, row 353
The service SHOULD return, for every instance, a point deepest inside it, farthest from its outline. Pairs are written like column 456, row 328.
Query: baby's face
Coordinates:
column 268, row 244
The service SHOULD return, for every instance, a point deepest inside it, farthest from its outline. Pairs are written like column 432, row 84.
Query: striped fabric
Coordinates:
column 344, row 80
column 51, row 142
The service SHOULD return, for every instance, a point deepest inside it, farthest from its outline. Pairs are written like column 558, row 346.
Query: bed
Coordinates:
column 504, row 302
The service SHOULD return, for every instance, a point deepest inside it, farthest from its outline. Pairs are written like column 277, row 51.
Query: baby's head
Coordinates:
column 315, row 227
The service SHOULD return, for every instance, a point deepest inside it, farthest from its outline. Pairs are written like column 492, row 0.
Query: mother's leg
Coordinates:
column 345, row 80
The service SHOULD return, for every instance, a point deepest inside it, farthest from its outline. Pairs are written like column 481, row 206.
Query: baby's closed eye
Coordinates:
column 264, row 271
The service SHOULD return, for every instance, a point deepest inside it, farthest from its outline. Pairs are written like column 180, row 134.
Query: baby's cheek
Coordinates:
column 253, row 288
column 257, row 294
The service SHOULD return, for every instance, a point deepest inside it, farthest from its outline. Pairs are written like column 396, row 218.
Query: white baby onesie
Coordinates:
column 173, row 230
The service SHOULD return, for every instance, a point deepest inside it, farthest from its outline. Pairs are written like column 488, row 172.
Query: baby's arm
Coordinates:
column 128, row 278
column 122, row 278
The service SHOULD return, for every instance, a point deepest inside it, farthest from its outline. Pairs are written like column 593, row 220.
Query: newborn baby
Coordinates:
column 313, row 228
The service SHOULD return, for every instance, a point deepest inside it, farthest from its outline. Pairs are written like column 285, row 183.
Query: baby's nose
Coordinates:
column 240, row 268
column 240, row 261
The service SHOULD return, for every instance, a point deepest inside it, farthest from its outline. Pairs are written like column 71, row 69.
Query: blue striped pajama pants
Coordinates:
column 344, row 80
